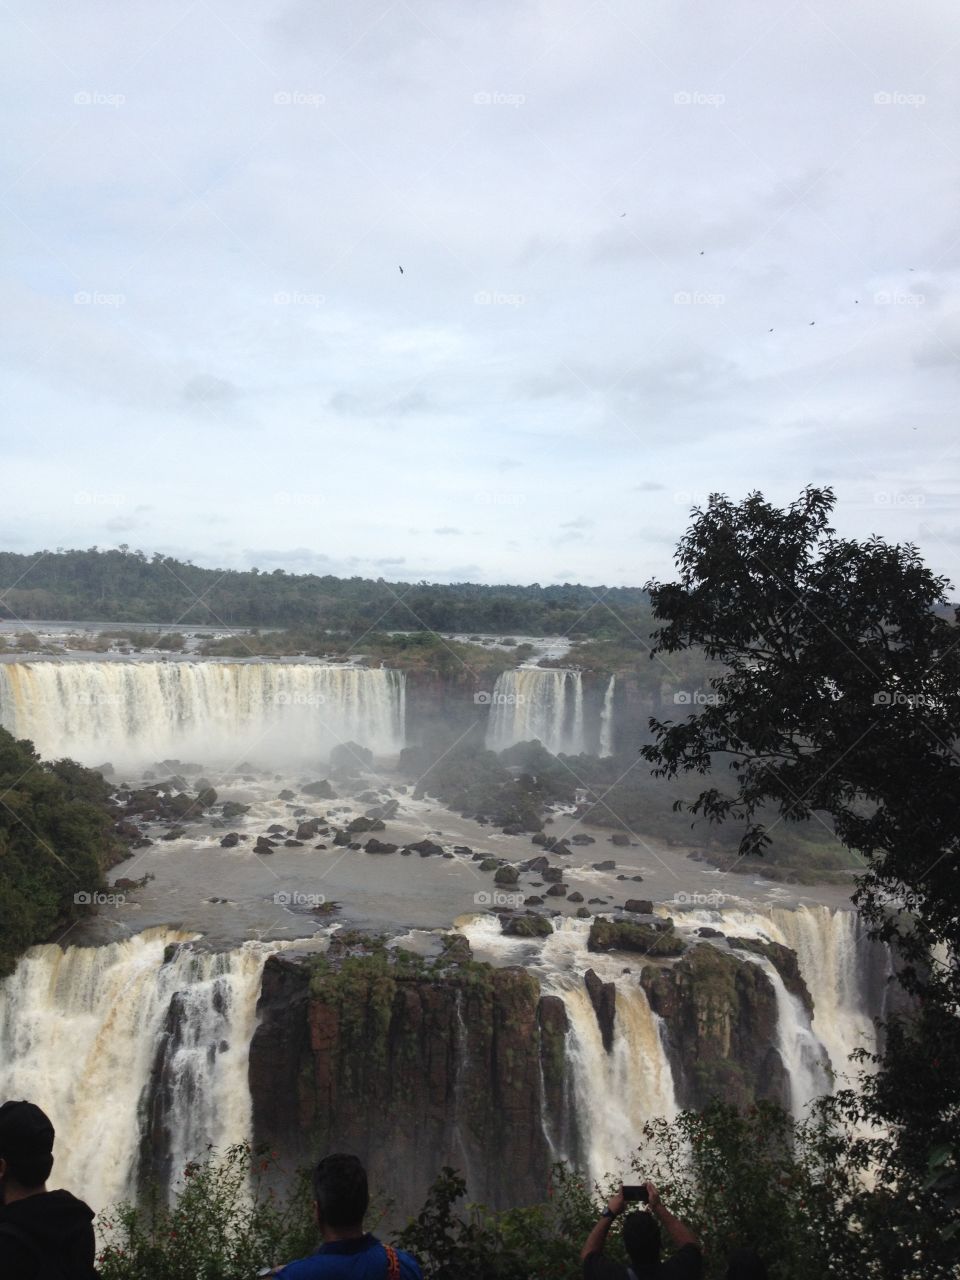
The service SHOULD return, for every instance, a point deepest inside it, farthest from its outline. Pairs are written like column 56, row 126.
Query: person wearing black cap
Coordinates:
column 641, row 1239
column 42, row 1233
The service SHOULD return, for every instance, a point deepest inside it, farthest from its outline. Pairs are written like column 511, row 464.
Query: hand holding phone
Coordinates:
column 639, row 1194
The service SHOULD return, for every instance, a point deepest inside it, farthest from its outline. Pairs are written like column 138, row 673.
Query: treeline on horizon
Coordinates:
column 124, row 585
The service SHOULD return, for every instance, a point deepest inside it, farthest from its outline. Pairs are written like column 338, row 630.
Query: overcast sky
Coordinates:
column 649, row 251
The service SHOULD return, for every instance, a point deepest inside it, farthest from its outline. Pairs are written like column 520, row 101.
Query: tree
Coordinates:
column 839, row 697
column 56, row 841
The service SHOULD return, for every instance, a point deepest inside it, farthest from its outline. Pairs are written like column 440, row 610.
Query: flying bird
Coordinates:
column 401, row 270
column 769, row 331
column 813, row 322
column 701, row 253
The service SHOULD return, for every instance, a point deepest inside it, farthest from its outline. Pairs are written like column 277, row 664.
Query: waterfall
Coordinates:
column 612, row 1094
column 606, row 720
column 215, row 712
column 615, row 1092
column 85, row 1032
column 537, row 702
column 835, row 961
column 834, row 957
column 462, row 1050
column 801, row 1053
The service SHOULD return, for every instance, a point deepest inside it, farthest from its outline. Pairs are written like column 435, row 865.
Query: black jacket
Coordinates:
column 59, row 1224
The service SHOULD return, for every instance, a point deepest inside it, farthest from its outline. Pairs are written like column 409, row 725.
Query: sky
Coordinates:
column 649, row 251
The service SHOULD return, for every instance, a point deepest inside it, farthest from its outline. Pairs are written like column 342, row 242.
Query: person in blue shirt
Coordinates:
column 348, row 1252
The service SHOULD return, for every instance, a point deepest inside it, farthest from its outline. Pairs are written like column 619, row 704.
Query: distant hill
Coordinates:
column 124, row 585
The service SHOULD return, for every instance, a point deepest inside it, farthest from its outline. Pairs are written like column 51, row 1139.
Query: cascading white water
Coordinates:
column 535, row 702
column 802, row 1055
column 613, row 1093
column 215, row 712
column 82, row 1028
column 606, row 720
column 831, row 949
column 832, row 955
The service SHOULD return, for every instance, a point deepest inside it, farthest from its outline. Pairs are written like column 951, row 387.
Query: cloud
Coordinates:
column 205, row 318
column 207, row 389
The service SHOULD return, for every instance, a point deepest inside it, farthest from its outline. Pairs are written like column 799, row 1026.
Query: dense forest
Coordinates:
column 56, row 842
column 124, row 585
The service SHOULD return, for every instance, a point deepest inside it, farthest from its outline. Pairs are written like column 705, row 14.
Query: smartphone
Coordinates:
column 636, row 1193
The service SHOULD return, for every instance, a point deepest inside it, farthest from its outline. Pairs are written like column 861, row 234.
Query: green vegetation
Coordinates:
column 55, row 842
column 359, row 977
column 629, row 653
column 124, row 585
column 526, row 926
column 840, row 696
column 224, row 1224
column 625, row 935
column 411, row 651
column 793, row 1191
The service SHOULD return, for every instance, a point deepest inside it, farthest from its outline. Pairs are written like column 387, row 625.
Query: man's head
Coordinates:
column 26, row 1146
column 641, row 1238
column 340, row 1190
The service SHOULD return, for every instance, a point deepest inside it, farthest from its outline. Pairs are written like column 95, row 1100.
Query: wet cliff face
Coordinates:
column 441, row 702
column 411, row 1072
column 414, row 1066
column 721, row 1022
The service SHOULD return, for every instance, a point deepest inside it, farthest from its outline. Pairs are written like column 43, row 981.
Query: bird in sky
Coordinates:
column 813, row 322
column 401, row 270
